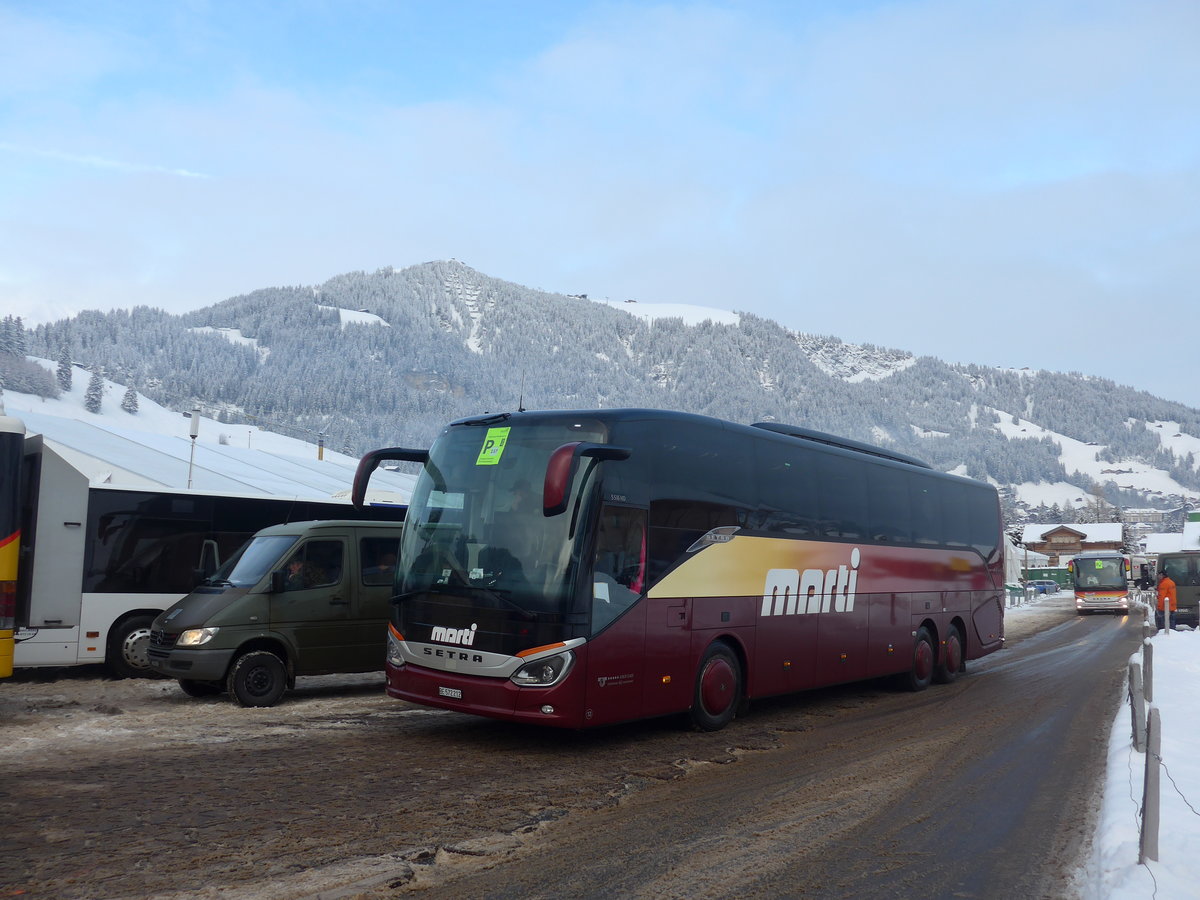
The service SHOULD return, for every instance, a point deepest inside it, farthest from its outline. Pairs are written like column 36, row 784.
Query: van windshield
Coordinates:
column 254, row 560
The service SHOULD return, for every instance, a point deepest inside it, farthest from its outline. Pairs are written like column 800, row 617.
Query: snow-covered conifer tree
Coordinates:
column 129, row 402
column 94, row 395
column 64, row 368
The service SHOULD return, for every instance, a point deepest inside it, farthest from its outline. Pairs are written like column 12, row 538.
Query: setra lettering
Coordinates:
column 447, row 653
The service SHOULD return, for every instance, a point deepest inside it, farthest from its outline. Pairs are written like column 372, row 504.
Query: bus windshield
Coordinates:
column 475, row 526
column 1100, row 574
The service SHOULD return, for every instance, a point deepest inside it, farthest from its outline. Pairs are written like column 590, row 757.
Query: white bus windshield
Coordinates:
column 1100, row 574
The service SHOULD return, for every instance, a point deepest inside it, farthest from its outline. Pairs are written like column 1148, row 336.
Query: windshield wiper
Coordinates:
column 488, row 420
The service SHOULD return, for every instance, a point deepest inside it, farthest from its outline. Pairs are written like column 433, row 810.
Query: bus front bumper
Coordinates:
column 559, row 706
column 1102, row 604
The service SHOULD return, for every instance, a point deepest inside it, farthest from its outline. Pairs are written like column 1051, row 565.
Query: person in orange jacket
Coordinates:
column 1167, row 601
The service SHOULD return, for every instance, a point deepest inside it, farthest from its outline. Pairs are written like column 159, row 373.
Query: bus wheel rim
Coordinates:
column 716, row 686
column 135, row 648
column 923, row 663
column 954, row 654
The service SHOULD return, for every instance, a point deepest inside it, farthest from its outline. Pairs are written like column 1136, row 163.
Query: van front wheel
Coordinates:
column 257, row 678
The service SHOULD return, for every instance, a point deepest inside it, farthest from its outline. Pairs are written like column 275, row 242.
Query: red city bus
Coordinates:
column 581, row 568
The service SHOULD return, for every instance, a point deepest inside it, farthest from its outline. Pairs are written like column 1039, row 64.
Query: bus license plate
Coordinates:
column 452, row 693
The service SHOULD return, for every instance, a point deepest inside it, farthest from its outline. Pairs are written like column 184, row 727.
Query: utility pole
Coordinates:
column 193, row 430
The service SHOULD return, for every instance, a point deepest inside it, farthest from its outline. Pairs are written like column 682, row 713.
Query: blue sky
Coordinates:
column 1008, row 183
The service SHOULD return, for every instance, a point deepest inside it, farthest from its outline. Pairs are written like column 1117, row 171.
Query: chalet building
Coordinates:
column 1062, row 542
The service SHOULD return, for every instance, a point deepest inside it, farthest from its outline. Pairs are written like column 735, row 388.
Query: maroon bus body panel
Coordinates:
column 616, row 670
column 669, row 663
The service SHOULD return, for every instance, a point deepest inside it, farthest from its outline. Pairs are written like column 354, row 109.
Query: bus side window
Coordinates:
column 676, row 524
column 926, row 510
column 843, row 497
column 889, row 504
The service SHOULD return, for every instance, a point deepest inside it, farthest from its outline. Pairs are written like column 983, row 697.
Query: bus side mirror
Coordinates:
column 560, row 471
column 370, row 462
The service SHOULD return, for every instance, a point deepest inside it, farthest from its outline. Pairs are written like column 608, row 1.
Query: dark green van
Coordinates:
column 308, row 598
column 1184, row 568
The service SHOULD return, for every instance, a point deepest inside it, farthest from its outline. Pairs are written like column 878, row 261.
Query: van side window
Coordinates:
column 315, row 564
column 378, row 555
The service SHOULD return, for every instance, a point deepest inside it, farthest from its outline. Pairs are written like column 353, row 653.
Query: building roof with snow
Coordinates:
column 1092, row 532
column 1173, row 542
column 110, row 455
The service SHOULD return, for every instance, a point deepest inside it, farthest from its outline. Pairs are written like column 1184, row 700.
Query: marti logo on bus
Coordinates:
column 790, row 592
column 462, row 636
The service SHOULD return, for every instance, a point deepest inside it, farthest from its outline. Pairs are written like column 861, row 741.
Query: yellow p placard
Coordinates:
column 494, row 443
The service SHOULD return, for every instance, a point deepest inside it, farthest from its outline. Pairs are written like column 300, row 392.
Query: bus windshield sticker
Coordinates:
column 493, row 446
column 1099, row 564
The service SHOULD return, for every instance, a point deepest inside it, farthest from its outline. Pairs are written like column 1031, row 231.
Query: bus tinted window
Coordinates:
column 787, row 490
column 924, row 501
column 985, row 527
column 700, row 463
column 676, row 524
column 955, row 518
column 843, row 497
column 889, row 505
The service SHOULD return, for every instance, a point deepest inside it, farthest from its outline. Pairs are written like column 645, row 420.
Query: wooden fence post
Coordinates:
column 1137, row 704
column 1150, row 792
column 1148, row 670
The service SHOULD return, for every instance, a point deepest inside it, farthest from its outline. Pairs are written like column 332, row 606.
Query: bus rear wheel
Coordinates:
column 257, row 678
column 951, row 663
column 920, row 674
column 127, row 655
column 718, row 688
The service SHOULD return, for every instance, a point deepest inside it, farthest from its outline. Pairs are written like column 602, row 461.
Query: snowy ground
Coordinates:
column 49, row 706
column 1113, row 871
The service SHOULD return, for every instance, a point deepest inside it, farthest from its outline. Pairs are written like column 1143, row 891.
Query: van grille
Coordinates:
column 162, row 639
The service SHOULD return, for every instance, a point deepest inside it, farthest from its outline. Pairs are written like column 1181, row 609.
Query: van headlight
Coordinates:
column 544, row 672
column 194, row 637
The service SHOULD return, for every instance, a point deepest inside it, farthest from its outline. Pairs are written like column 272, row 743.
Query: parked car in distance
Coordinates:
column 307, row 598
column 1044, row 586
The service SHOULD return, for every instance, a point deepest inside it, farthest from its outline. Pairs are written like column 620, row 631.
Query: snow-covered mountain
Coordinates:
column 388, row 357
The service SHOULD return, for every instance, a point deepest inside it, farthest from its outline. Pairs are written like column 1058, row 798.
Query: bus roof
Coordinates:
column 810, row 436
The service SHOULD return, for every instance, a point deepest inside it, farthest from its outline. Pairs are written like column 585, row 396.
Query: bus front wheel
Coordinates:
column 718, row 688
column 920, row 674
column 257, row 678
column 951, row 663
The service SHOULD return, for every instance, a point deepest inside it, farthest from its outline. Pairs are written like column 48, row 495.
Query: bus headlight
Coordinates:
column 544, row 672
column 394, row 657
column 194, row 637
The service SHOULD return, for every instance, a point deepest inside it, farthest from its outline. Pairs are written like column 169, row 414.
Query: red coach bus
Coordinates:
column 581, row 568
